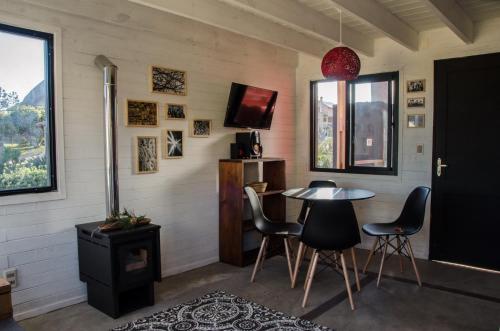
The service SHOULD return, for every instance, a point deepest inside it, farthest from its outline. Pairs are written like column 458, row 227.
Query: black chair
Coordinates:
column 305, row 205
column 301, row 219
column 330, row 226
column 409, row 222
column 267, row 229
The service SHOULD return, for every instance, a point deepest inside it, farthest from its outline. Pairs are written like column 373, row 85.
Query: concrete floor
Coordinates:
column 451, row 298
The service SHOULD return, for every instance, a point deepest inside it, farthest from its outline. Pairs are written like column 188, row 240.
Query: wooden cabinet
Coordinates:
column 238, row 239
column 5, row 300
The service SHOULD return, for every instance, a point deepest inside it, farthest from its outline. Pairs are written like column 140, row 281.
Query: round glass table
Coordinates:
column 328, row 194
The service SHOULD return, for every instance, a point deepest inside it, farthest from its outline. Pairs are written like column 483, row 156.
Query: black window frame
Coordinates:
column 393, row 125
column 49, row 111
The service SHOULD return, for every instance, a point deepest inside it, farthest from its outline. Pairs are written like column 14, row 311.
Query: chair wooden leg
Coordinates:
column 309, row 268
column 382, row 260
column 400, row 254
column 264, row 253
column 355, row 267
column 413, row 262
column 336, row 260
column 298, row 262
column 346, row 278
column 370, row 255
column 290, row 246
column 259, row 257
column 314, row 262
column 288, row 259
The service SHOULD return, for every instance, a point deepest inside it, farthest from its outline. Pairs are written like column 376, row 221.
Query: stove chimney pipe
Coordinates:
column 110, row 159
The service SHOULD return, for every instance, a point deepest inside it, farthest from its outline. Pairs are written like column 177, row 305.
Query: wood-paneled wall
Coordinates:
column 39, row 239
column 414, row 169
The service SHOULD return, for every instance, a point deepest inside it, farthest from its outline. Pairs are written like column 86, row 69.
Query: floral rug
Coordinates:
column 220, row 311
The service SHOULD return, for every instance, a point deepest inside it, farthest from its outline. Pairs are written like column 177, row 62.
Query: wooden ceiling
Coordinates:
column 415, row 13
column 312, row 26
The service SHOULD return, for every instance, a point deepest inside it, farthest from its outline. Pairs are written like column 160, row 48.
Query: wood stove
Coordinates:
column 119, row 267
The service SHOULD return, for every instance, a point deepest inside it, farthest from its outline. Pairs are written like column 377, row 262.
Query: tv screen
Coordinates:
column 250, row 107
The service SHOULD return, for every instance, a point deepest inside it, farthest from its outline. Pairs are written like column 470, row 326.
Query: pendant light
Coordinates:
column 341, row 63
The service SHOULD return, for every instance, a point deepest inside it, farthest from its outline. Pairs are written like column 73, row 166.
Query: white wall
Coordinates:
column 39, row 238
column 414, row 169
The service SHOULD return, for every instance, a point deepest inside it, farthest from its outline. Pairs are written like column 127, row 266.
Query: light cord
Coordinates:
column 340, row 22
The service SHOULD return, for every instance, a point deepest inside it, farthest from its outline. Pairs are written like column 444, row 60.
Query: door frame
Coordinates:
column 439, row 104
column 438, row 139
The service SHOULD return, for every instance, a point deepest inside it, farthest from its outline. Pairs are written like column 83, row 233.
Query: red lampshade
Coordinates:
column 341, row 63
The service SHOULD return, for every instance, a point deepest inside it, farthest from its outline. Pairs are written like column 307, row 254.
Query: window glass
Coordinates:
column 26, row 130
column 371, row 124
column 326, row 125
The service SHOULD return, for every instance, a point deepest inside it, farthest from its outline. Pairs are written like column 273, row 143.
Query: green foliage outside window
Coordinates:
column 325, row 153
column 23, row 163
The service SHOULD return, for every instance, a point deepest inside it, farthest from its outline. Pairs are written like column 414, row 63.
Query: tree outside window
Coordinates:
column 27, row 163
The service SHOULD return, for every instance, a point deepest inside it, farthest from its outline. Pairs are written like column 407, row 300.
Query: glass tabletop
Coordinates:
column 328, row 194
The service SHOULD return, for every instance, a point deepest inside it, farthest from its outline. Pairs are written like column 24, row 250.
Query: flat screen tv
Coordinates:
column 250, row 107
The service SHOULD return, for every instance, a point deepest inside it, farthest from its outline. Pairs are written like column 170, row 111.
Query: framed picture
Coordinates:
column 200, row 128
column 415, row 102
column 141, row 113
column 173, row 144
column 416, row 121
column 417, row 85
column 168, row 81
column 146, row 154
column 175, row 111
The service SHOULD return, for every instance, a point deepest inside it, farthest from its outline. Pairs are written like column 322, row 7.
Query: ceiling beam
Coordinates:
column 375, row 14
column 216, row 13
column 307, row 20
column 454, row 17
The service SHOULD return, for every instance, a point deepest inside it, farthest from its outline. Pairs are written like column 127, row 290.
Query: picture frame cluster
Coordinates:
column 415, row 102
column 146, row 114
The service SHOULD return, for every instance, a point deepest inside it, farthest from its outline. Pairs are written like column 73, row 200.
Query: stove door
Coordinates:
column 135, row 263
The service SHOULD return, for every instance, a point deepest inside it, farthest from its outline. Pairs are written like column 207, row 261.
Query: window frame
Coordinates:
column 393, row 125
column 50, row 111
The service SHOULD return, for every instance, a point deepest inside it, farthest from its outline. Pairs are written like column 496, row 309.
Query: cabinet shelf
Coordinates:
column 235, row 227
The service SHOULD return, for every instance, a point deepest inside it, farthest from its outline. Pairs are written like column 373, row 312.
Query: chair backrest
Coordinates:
column 412, row 216
column 314, row 183
column 331, row 225
column 259, row 218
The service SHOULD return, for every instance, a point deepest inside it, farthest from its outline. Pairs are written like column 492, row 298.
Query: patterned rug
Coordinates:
column 220, row 311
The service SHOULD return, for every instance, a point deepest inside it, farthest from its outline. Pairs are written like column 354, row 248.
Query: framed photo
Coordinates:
column 416, row 121
column 200, row 128
column 173, row 144
column 417, row 85
column 146, row 154
column 175, row 111
column 168, row 81
column 415, row 102
column 141, row 113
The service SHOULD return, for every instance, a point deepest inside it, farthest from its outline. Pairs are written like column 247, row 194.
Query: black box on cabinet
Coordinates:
column 119, row 267
column 248, row 146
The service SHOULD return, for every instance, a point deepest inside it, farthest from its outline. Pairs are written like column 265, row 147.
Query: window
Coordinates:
column 354, row 125
column 27, row 130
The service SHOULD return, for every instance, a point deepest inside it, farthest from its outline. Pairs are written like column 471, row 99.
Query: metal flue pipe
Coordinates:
column 110, row 158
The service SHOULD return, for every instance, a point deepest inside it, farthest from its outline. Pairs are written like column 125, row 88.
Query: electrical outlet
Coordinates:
column 11, row 276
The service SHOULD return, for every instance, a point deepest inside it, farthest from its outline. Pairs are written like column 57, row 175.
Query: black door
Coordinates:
column 465, row 212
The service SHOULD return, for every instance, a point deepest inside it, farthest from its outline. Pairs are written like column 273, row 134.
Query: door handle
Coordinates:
column 439, row 166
